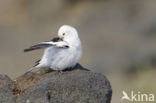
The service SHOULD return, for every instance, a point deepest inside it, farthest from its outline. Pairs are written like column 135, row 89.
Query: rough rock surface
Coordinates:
column 6, row 93
column 45, row 86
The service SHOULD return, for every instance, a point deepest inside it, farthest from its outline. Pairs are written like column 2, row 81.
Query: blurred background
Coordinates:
column 118, row 37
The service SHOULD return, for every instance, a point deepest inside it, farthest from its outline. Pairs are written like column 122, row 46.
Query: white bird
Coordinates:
column 61, row 52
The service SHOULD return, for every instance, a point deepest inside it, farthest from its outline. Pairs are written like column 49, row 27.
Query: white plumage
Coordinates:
column 62, row 52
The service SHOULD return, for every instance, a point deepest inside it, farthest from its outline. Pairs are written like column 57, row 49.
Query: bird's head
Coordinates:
column 67, row 32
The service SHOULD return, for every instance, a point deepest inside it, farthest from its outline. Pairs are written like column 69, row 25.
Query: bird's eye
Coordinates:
column 63, row 34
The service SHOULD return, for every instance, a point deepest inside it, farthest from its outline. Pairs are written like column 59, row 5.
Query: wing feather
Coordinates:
column 38, row 46
column 57, row 42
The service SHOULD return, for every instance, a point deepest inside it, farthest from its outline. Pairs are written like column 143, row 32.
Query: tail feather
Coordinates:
column 35, row 66
column 30, row 70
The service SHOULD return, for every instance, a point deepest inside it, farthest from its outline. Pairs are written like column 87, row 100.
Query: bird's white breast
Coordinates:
column 62, row 58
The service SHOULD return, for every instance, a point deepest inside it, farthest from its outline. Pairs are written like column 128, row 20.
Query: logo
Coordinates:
column 137, row 97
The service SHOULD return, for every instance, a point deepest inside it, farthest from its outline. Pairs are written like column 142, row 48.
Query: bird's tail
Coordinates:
column 29, row 70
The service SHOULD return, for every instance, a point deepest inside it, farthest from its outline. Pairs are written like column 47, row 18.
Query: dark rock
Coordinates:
column 71, row 86
column 6, row 94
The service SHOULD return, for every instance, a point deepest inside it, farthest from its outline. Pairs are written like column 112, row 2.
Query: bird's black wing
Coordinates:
column 43, row 45
column 38, row 46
